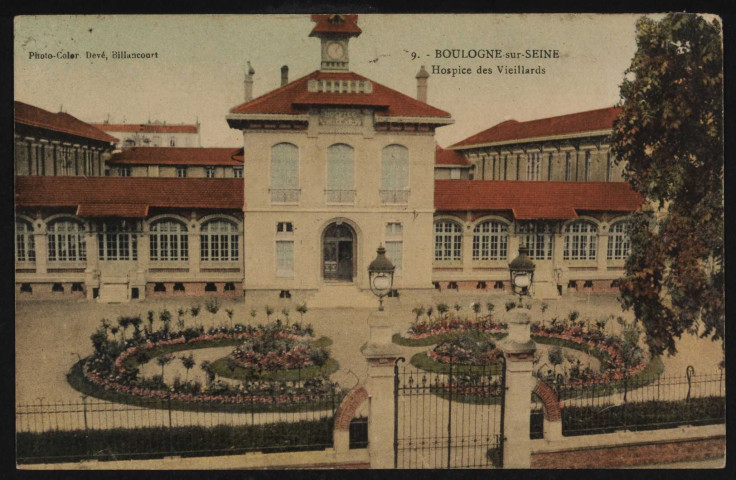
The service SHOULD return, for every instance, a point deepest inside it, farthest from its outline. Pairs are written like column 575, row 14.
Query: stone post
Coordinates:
column 519, row 351
column 380, row 354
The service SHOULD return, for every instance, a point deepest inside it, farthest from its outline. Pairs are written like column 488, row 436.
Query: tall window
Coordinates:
column 394, row 244
column 219, row 241
column 169, row 241
column 181, row 172
column 284, row 249
column 549, row 167
column 237, row 172
column 284, row 173
column 581, row 241
column 490, row 241
column 587, row 165
column 66, row 241
column 340, row 174
column 534, row 166
column 619, row 244
column 125, row 171
column 568, row 166
column 538, row 237
column 448, row 241
column 172, row 141
column 609, row 167
column 209, row 172
column 394, row 174
column 25, row 249
column 117, row 241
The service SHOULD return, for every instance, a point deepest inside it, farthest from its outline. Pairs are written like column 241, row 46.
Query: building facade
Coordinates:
column 345, row 165
column 337, row 165
column 58, row 144
column 177, row 162
column 156, row 134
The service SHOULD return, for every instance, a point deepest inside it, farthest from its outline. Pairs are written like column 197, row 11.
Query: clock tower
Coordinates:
column 335, row 32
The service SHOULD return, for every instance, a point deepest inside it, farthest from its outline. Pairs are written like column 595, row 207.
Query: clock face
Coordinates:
column 335, row 51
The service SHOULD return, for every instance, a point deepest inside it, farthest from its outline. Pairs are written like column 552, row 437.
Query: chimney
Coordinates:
column 248, row 83
column 284, row 75
column 422, row 85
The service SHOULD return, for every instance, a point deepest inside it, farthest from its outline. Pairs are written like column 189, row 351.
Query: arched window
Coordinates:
column 219, row 241
column 619, row 244
column 169, row 241
column 117, row 240
column 448, row 241
column 284, row 173
column 581, row 241
column 490, row 241
column 66, row 241
column 538, row 237
column 25, row 249
column 394, row 174
column 340, row 174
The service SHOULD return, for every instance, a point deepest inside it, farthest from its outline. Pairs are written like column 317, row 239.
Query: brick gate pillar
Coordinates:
column 380, row 354
column 519, row 352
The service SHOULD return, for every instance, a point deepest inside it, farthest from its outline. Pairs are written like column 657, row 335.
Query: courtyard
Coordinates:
column 52, row 335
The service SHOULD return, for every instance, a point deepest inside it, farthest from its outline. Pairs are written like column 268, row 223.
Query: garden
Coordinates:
column 573, row 352
column 279, row 365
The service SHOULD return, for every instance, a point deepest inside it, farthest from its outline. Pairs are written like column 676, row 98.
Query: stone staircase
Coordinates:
column 114, row 289
column 342, row 295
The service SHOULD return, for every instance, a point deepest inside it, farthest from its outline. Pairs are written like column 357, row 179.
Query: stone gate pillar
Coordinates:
column 380, row 354
column 519, row 352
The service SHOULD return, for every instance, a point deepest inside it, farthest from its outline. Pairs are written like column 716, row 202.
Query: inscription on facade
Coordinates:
column 340, row 117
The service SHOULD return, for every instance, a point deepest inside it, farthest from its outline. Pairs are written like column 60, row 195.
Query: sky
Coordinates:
column 201, row 63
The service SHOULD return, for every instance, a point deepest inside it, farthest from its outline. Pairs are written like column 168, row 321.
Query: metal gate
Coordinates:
column 452, row 419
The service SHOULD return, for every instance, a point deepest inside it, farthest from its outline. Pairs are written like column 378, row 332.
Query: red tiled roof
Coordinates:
column 528, row 200
column 449, row 157
column 346, row 25
column 145, row 128
column 293, row 99
column 59, row 122
column 122, row 196
column 178, row 156
column 601, row 119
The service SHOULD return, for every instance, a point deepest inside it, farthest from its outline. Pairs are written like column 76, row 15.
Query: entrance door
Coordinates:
column 338, row 253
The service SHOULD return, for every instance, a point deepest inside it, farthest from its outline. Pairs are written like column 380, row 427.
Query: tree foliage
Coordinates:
column 669, row 136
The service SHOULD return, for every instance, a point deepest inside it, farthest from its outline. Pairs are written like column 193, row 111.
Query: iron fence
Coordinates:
column 643, row 403
column 151, row 428
column 449, row 420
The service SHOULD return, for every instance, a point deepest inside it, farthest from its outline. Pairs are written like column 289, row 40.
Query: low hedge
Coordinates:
column 157, row 442
column 651, row 415
column 422, row 360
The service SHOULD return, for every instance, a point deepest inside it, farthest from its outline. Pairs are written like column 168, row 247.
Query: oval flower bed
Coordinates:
column 112, row 368
column 608, row 348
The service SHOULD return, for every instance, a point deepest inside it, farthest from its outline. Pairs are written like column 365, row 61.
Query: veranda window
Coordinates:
column 169, row 241
column 117, row 241
column 219, row 241
column 490, row 241
column 25, row 249
column 448, row 241
column 66, row 241
column 619, row 244
column 581, row 241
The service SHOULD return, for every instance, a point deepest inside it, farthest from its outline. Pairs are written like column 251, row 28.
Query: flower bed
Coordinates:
column 466, row 349
column 621, row 359
column 112, row 369
column 423, row 333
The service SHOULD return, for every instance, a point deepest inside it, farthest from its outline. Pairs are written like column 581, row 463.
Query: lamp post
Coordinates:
column 381, row 275
column 521, row 270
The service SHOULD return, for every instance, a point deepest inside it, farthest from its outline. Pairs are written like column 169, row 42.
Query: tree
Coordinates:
column 555, row 357
column 164, row 360
column 188, row 363
column 669, row 136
